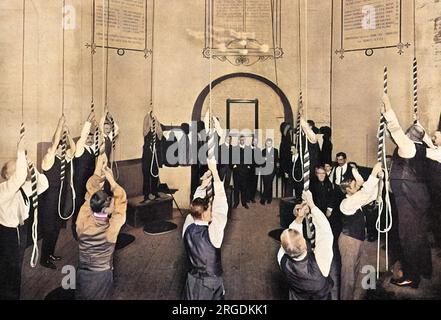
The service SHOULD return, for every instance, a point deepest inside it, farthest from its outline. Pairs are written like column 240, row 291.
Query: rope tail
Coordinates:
column 298, row 142
column 153, row 148
column 34, row 202
column 415, row 90
column 383, row 186
column 63, row 178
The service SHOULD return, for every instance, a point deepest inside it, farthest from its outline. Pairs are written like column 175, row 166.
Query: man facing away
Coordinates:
column 306, row 269
column 408, row 178
column 203, row 234
column 98, row 224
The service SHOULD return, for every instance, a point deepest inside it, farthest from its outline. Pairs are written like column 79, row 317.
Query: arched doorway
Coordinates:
column 197, row 108
column 199, row 103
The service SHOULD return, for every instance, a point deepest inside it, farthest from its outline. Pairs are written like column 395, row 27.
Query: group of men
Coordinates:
column 320, row 251
column 324, row 263
column 90, row 195
column 338, row 244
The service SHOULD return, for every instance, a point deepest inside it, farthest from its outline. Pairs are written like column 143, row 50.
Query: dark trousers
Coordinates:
column 150, row 185
column 51, row 223
column 240, row 187
column 225, row 174
column 252, row 187
column 292, row 188
column 12, row 247
column 267, row 194
column 413, row 201
column 435, row 220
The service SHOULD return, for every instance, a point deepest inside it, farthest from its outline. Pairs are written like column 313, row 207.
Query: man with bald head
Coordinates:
column 408, row 179
column 15, row 193
column 306, row 269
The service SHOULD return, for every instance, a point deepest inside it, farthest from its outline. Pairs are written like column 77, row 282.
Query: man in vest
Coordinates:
column 84, row 166
column 98, row 224
column 353, row 231
column 203, row 234
column 408, row 179
column 306, row 269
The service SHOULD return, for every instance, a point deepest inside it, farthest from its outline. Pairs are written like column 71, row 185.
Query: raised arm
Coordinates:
column 159, row 132
column 219, row 209
column 84, row 133
column 406, row 147
column 219, row 130
column 312, row 138
column 49, row 158
column 323, row 236
column 367, row 194
column 70, row 153
column 357, row 176
column 10, row 187
column 118, row 217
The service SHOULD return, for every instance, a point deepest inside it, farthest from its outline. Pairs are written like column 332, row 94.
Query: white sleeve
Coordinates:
column 323, row 241
column 42, row 183
column 188, row 221
column 434, row 154
column 368, row 193
column 219, row 212
column 10, row 187
column 280, row 255
column 406, row 147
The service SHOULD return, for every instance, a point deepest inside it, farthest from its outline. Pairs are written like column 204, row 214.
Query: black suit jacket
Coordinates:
column 272, row 159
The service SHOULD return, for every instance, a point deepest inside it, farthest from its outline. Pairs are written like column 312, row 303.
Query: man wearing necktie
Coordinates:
column 84, row 166
column 271, row 156
column 15, row 192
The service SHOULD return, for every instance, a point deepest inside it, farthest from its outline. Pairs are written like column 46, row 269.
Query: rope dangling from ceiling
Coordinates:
column 64, row 132
column 383, row 184
column 96, row 135
column 31, row 167
column 153, row 146
column 210, row 130
column 108, row 117
column 415, row 70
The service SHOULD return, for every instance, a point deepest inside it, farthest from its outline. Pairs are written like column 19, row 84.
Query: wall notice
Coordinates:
column 238, row 17
column 370, row 23
column 126, row 27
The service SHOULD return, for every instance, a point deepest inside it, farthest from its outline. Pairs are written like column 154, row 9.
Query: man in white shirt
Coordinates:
column 203, row 234
column 353, row 232
column 340, row 172
column 307, row 270
column 15, row 193
column 269, row 170
column 84, row 165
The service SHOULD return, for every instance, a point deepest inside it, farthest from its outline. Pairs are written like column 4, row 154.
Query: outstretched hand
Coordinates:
column 21, row 145
column 378, row 168
column 109, row 175
column 386, row 103
column 307, row 196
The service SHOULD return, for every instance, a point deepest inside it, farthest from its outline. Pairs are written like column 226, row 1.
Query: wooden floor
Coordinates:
column 153, row 267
